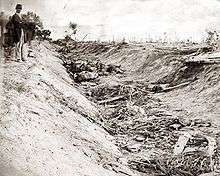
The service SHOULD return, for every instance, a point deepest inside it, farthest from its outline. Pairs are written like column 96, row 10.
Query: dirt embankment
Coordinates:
column 46, row 126
column 151, row 99
column 140, row 106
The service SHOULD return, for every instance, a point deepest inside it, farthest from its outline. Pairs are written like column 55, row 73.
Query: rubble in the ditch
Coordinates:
column 188, row 164
column 148, row 133
column 84, row 69
column 144, row 129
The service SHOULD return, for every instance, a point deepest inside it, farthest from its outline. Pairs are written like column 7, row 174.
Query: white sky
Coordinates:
column 104, row 19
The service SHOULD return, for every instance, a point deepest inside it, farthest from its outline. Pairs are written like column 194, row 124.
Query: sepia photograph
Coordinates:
column 109, row 87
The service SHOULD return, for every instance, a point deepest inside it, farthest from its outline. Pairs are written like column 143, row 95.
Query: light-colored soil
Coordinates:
column 52, row 126
column 44, row 126
column 141, row 122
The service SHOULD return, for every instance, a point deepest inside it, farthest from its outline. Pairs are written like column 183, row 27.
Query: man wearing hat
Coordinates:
column 18, row 33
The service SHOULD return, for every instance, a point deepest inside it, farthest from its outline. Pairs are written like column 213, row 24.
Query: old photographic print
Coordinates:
column 109, row 88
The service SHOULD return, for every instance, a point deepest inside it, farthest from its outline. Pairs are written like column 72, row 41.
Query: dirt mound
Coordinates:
column 46, row 123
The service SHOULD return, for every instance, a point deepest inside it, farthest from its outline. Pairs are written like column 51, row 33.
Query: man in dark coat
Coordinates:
column 18, row 33
column 29, row 32
column 8, row 41
column 3, row 22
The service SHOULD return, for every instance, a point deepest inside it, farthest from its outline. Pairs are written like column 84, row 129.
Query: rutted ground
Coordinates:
column 151, row 98
column 141, row 100
column 44, row 123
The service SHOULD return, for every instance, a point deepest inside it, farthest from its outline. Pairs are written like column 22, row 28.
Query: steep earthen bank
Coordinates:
column 46, row 126
column 154, row 98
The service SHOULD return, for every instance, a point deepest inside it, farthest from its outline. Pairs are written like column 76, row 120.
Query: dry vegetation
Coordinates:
column 144, row 128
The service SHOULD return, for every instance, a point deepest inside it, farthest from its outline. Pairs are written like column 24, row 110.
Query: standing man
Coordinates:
column 18, row 33
column 2, row 25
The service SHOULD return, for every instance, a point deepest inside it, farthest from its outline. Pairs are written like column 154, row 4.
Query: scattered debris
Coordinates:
column 85, row 76
column 155, row 141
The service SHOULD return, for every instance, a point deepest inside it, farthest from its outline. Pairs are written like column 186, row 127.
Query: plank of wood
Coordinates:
column 181, row 143
column 111, row 99
column 212, row 145
column 204, row 61
column 210, row 174
column 175, row 87
column 113, row 106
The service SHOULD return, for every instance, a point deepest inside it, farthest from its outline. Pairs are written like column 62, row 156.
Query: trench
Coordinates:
column 125, row 83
